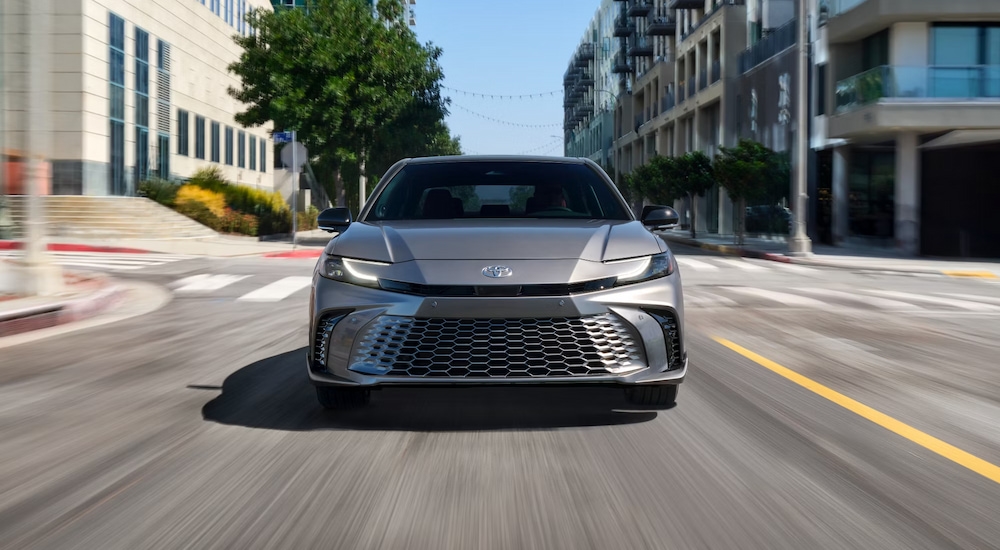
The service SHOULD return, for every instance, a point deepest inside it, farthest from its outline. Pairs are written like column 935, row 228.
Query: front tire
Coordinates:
column 337, row 399
column 662, row 395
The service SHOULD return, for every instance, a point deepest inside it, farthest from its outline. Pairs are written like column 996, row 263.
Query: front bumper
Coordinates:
column 366, row 337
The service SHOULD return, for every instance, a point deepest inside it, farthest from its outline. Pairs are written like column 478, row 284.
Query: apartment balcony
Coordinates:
column 852, row 20
column 667, row 102
column 639, row 8
column 623, row 26
column 708, row 14
column 586, row 78
column 621, row 65
column 584, row 54
column 686, row 4
column 702, row 79
column 925, row 99
column 640, row 46
column 660, row 25
column 681, row 92
column 691, row 87
column 777, row 41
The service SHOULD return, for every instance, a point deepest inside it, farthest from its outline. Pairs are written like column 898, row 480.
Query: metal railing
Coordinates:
column 667, row 102
column 930, row 82
column 779, row 40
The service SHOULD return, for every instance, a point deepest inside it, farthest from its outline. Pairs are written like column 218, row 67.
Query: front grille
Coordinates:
column 497, row 348
column 497, row 290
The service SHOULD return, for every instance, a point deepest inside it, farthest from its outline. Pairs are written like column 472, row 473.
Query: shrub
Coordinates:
column 214, row 202
column 235, row 222
column 199, row 213
column 308, row 220
column 161, row 191
column 253, row 211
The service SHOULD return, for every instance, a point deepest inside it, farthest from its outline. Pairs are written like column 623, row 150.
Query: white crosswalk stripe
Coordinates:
column 278, row 290
column 780, row 297
column 206, row 283
column 111, row 261
column 952, row 302
column 741, row 264
column 882, row 303
column 828, row 300
column 696, row 264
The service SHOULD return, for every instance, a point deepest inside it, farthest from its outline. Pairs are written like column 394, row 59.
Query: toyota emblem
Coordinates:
column 497, row 271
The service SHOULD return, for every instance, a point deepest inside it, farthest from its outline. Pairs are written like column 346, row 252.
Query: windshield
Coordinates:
column 500, row 189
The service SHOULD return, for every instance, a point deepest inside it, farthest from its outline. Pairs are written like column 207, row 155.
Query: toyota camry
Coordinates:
column 496, row 270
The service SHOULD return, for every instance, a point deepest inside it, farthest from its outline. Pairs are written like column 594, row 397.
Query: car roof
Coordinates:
column 494, row 158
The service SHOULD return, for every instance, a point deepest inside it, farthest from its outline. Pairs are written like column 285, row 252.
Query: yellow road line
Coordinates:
column 975, row 274
column 952, row 453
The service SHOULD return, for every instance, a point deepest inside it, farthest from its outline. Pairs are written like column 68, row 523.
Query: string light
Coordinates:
column 538, row 95
column 508, row 123
column 549, row 145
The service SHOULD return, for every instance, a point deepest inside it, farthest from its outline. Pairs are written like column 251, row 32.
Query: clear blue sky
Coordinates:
column 505, row 47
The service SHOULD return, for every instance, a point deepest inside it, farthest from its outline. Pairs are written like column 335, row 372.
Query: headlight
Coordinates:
column 349, row 270
column 654, row 267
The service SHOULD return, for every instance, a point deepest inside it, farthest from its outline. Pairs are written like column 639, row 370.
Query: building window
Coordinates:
column 253, row 152
column 241, row 149
column 182, row 132
column 163, row 162
column 821, row 89
column 263, row 155
column 141, row 105
column 966, row 61
column 199, row 137
column 215, row 142
column 229, row 146
column 875, row 50
column 116, row 77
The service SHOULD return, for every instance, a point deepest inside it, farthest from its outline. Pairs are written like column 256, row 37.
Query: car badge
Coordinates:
column 497, row 271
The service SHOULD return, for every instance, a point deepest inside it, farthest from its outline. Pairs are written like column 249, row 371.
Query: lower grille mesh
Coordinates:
column 497, row 348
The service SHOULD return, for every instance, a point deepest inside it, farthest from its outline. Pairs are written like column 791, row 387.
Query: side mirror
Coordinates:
column 334, row 220
column 660, row 217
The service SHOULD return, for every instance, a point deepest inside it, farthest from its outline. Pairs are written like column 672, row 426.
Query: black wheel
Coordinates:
column 342, row 398
column 652, row 396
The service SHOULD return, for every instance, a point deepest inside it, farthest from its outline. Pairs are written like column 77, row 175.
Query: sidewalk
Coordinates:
column 842, row 257
column 85, row 295
column 223, row 246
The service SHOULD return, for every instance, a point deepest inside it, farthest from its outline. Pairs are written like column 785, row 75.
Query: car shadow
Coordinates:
column 276, row 394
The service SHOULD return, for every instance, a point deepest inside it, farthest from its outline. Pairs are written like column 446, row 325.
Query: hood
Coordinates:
column 495, row 240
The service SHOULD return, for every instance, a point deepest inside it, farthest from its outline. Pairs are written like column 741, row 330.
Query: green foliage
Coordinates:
column 159, row 190
column 693, row 174
column 307, row 221
column 355, row 87
column 745, row 170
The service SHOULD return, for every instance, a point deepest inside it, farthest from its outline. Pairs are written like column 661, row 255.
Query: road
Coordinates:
column 194, row 427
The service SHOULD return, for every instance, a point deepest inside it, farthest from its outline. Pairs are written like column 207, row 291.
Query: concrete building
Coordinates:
column 678, row 87
column 590, row 94
column 136, row 88
column 912, row 90
column 408, row 12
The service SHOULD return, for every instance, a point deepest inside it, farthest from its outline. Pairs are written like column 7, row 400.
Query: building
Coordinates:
column 677, row 88
column 135, row 89
column 913, row 92
column 408, row 12
column 589, row 96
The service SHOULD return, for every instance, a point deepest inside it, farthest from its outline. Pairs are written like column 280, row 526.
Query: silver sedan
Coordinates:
column 496, row 270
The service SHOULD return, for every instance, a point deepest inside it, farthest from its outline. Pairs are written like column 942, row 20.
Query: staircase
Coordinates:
column 83, row 217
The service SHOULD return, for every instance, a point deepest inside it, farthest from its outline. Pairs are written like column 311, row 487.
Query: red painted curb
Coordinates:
column 65, row 247
column 295, row 254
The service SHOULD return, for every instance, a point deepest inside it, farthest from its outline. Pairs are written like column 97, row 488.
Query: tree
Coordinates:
column 337, row 75
column 693, row 175
column 745, row 171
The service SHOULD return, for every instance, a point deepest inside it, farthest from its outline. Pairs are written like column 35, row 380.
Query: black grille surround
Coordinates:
column 468, row 291
column 598, row 345
column 321, row 338
column 671, row 336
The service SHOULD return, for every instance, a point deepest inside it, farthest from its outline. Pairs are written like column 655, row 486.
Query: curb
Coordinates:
column 64, row 247
column 729, row 250
column 295, row 254
column 61, row 312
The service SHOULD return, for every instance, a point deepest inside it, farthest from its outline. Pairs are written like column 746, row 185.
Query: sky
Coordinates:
column 505, row 47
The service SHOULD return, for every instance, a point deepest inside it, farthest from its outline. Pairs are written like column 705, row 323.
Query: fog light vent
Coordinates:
column 321, row 343
column 671, row 336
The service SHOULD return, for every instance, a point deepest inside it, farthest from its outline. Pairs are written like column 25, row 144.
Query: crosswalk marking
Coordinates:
column 702, row 300
column 953, row 302
column 793, row 267
column 780, row 297
column 696, row 265
column 206, row 283
column 278, row 290
column 112, row 261
column 884, row 303
column 742, row 264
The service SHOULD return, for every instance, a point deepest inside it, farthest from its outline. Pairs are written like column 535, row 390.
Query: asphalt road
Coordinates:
column 194, row 427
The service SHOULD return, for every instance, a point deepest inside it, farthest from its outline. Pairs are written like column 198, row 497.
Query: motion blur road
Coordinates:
column 823, row 409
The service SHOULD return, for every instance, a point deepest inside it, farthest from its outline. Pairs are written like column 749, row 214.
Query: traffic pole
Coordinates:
column 295, row 187
column 800, row 244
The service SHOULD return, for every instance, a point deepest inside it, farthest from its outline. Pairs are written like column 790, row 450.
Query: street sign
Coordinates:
column 282, row 137
column 294, row 161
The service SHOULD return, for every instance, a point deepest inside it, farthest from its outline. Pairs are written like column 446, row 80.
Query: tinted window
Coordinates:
column 501, row 189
